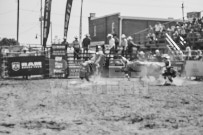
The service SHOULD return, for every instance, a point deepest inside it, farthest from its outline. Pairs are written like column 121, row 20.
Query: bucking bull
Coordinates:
column 147, row 69
column 94, row 66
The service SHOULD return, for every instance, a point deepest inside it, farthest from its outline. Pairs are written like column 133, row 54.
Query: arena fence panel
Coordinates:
column 26, row 66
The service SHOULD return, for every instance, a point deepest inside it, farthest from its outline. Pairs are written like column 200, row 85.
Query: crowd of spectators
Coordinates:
column 190, row 31
column 132, row 51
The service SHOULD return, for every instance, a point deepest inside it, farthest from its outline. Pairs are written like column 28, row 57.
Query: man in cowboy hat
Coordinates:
column 86, row 43
column 131, row 47
column 76, row 46
column 116, row 42
column 111, row 43
column 124, row 44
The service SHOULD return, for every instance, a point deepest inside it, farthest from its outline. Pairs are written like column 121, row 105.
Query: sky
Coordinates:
column 30, row 13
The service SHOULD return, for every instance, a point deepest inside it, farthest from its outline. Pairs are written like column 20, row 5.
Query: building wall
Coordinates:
column 138, row 28
column 129, row 27
column 103, row 27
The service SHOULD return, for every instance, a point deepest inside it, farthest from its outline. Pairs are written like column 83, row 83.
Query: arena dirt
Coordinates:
column 102, row 107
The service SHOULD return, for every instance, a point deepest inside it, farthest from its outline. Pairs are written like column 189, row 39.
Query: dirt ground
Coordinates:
column 105, row 107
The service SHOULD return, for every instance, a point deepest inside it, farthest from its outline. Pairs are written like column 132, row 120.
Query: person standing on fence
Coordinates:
column 116, row 42
column 111, row 43
column 86, row 43
column 76, row 46
column 124, row 44
column 132, row 47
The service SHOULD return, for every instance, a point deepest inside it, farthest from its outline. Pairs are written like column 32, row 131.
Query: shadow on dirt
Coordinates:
column 44, row 124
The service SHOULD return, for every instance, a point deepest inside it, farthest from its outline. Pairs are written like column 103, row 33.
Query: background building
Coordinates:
column 137, row 27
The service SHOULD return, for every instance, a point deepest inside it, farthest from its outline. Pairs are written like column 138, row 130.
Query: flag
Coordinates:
column 67, row 17
column 47, row 16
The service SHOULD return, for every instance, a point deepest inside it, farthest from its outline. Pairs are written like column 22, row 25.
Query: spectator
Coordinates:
column 124, row 44
column 199, row 55
column 182, row 31
column 158, row 56
column 86, row 43
column 169, row 31
column 132, row 47
column 191, row 37
column 141, row 56
column 157, row 29
column 176, row 35
column 111, row 43
column 116, row 42
column 188, row 53
column 151, row 29
column 151, row 37
column 76, row 46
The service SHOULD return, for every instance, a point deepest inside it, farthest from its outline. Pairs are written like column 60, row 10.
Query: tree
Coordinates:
column 8, row 42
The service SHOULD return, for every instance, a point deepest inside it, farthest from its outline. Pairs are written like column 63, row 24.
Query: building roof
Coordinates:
column 138, row 18
column 94, row 18
column 147, row 18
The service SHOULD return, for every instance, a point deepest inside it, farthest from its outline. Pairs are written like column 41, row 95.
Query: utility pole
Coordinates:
column 80, row 32
column 41, row 23
column 183, row 12
column 51, row 33
column 18, row 8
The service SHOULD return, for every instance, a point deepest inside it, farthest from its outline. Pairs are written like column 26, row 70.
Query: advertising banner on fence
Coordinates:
column 67, row 17
column 57, row 67
column 31, row 65
column 178, row 66
column 58, row 63
column 47, row 16
column 194, row 68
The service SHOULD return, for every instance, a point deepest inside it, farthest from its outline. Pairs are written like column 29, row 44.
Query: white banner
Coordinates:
column 194, row 68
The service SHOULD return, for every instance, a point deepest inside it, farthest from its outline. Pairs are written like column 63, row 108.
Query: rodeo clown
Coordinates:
column 169, row 72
